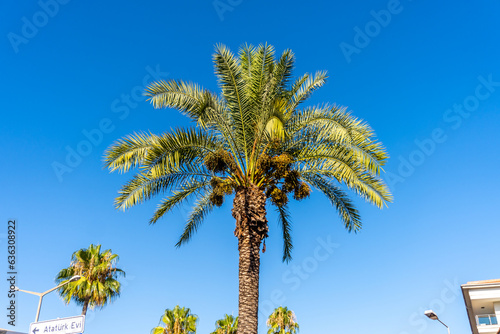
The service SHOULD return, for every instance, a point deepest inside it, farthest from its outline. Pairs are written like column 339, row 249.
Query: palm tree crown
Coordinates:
column 98, row 283
column 227, row 325
column 257, row 142
column 177, row 321
column 282, row 321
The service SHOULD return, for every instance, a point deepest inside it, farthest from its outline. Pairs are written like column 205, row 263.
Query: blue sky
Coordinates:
column 424, row 75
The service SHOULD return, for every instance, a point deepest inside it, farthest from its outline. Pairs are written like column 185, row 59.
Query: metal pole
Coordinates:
column 41, row 294
column 39, row 307
column 448, row 328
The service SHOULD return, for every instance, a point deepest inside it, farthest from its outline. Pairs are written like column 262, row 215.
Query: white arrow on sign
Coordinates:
column 59, row 326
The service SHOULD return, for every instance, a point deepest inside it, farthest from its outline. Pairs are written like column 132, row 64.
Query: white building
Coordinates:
column 482, row 300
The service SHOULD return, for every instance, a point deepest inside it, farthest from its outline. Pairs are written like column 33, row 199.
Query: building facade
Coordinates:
column 482, row 300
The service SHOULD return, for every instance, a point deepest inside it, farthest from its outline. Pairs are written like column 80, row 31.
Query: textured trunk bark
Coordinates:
column 249, row 210
column 85, row 306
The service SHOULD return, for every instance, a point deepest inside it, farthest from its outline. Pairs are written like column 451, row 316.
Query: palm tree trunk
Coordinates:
column 249, row 210
column 85, row 306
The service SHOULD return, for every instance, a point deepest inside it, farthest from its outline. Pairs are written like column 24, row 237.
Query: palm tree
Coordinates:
column 98, row 283
column 177, row 321
column 282, row 321
column 228, row 325
column 255, row 141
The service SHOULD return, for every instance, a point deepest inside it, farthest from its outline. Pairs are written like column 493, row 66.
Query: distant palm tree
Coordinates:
column 282, row 321
column 98, row 283
column 256, row 142
column 228, row 325
column 177, row 321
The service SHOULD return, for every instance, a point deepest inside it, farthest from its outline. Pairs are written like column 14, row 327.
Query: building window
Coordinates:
column 486, row 319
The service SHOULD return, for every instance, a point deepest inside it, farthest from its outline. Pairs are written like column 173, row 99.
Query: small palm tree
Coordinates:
column 227, row 325
column 98, row 283
column 257, row 142
column 177, row 321
column 282, row 321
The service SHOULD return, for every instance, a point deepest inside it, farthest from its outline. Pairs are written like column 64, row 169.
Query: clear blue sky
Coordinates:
column 425, row 75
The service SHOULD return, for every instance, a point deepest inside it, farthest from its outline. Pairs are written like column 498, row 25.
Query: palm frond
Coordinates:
column 345, row 171
column 178, row 197
column 246, row 54
column 326, row 122
column 201, row 209
column 129, row 152
column 305, row 86
column 339, row 199
column 286, row 227
column 181, row 146
column 262, row 62
column 349, row 153
column 282, row 71
column 189, row 98
column 228, row 71
column 144, row 186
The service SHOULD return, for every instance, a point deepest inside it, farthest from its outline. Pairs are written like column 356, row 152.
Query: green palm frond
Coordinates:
column 270, row 117
column 178, row 148
column 279, row 77
column 144, row 186
column 339, row 199
column 305, row 86
column 228, row 71
column 348, row 153
column 329, row 122
column 129, row 152
column 201, row 209
column 295, row 87
column 158, row 330
column 286, row 228
column 353, row 176
column 178, row 197
column 256, row 64
column 246, row 54
column 188, row 98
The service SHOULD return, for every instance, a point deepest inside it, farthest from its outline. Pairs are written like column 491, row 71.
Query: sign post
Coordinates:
column 71, row 325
